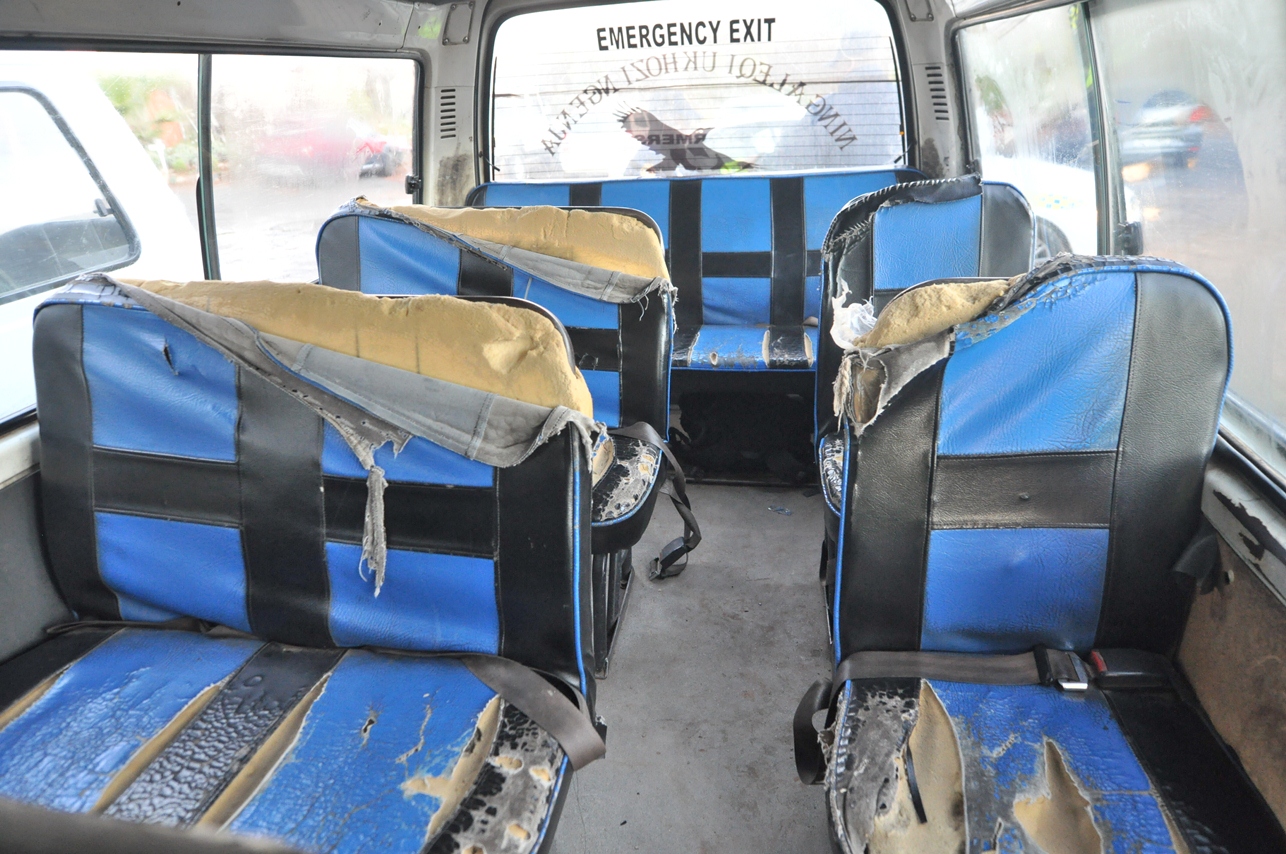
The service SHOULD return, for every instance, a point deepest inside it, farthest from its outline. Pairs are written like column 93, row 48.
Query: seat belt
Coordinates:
column 666, row 564
column 568, row 721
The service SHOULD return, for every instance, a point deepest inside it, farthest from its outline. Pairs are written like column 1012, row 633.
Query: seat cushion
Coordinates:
column 1034, row 482
column 176, row 483
column 328, row 750
column 625, row 496
column 1027, row 768
column 745, row 348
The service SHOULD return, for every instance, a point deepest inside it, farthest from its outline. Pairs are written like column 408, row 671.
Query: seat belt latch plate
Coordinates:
column 1064, row 669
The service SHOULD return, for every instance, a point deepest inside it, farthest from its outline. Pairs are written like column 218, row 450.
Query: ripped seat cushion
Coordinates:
column 625, row 495
column 920, row 765
column 320, row 749
column 830, row 462
column 612, row 241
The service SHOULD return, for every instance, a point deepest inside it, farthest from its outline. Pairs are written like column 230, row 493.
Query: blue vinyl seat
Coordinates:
column 744, row 254
column 622, row 349
column 883, row 242
column 236, row 666
column 1005, row 594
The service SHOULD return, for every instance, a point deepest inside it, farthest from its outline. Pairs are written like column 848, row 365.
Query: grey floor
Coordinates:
column 703, row 685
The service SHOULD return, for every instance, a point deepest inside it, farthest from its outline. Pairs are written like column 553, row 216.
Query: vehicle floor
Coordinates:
column 704, row 680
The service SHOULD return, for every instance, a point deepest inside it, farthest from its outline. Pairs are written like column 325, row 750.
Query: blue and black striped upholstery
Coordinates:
column 884, row 242
column 622, row 349
column 1035, row 487
column 744, row 253
column 176, row 485
column 1096, row 396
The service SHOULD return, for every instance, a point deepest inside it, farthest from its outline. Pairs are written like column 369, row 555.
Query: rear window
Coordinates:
column 671, row 88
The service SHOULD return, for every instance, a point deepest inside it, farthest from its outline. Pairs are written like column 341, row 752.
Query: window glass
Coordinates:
column 1198, row 92
column 1026, row 87
column 295, row 137
column 123, row 215
column 61, row 222
column 674, row 87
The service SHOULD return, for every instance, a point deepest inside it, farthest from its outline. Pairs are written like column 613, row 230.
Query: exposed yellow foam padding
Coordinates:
column 597, row 238
column 502, row 349
column 920, row 312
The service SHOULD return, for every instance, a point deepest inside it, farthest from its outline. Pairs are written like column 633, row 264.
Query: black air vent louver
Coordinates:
column 446, row 114
column 938, row 92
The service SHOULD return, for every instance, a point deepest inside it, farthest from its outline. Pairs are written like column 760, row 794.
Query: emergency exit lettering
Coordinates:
column 732, row 31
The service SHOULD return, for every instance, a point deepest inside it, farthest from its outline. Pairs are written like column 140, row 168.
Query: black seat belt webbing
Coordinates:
column 1020, row 669
column 664, row 565
column 569, row 723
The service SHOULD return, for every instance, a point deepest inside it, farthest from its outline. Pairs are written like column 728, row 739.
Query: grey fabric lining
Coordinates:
column 367, row 403
column 604, row 285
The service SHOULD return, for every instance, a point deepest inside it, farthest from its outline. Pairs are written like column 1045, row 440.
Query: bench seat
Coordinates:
column 744, row 253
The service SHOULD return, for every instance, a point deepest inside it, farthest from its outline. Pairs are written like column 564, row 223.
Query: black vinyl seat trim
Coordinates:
column 1214, row 804
column 279, row 449
column 1072, row 490
column 26, row 670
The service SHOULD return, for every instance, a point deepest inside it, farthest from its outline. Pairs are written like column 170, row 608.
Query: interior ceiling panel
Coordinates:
column 367, row 24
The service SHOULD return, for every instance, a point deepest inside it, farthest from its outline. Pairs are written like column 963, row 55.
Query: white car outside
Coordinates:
column 168, row 244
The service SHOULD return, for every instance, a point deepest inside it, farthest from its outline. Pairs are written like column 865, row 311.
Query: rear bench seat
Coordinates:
column 744, row 253
column 184, row 488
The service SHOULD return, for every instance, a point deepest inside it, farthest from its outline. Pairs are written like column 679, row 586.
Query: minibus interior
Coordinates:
column 571, row 426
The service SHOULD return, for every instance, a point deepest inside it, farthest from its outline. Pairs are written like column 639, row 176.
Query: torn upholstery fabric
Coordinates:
column 922, row 326
column 605, row 239
column 607, row 280
column 491, row 347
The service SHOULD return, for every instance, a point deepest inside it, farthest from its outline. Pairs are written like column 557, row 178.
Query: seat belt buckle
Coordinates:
column 1062, row 668
column 1129, row 668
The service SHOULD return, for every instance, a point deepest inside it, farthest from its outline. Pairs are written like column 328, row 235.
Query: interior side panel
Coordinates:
column 31, row 601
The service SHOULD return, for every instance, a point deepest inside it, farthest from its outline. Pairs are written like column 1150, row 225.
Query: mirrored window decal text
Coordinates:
column 665, row 88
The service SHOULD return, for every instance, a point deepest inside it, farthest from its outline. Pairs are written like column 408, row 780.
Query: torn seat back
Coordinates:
column 194, row 466
column 884, row 242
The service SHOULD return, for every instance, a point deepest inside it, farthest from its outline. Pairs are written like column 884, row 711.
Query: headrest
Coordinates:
column 507, row 350
column 611, row 241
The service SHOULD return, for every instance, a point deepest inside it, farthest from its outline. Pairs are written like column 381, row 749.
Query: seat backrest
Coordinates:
column 622, row 349
column 176, row 483
column 1037, row 485
column 884, row 242
column 743, row 251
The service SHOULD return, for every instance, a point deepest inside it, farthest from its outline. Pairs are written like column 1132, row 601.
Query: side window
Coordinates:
column 295, row 137
column 60, row 219
column 674, row 87
column 1198, row 93
column 1026, row 84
